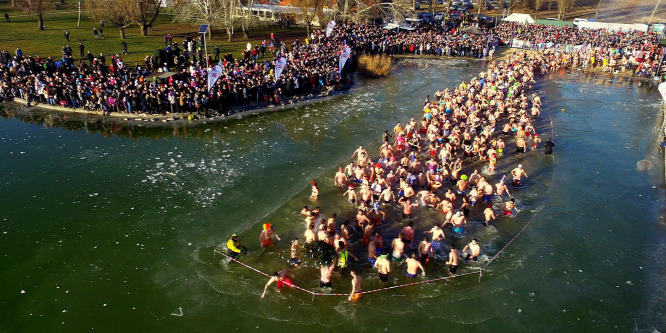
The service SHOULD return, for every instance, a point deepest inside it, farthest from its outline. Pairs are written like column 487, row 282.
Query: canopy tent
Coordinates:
column 520, row 18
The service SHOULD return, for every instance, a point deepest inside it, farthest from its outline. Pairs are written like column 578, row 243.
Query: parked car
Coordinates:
column 578, row 20
column 439, row 16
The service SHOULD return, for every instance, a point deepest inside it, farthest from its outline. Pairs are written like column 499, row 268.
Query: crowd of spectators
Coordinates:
column 98, row 83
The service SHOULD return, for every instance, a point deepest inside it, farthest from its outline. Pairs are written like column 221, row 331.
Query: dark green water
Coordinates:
column 116, row 232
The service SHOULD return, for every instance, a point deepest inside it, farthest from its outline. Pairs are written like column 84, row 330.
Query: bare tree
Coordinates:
column 36, row 7
column 247, row 20
column 146, row 13
column 118, row 12
column 359, row 10
column 537, row 5
column 563, row 7
column 196, row 11
column 310, row 10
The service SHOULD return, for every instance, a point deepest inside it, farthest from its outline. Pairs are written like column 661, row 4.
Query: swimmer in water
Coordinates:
column 282, row 280
column 340, row 179
column 489, row 214
column 383, row 266
column 459, row 221
column 265, row 238
column 509, row 206
column 474, row 250
column 315, row 190
column 517, row 174
column 351, row 195
column 413, row 266
column 454, row 259
column 425, row 250
column 357, row 286
column 295, row 246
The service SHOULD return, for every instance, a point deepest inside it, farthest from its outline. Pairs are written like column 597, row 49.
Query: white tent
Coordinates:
column 520, row 18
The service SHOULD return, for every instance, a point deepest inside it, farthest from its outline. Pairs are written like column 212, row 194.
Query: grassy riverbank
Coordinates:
column 22, row 32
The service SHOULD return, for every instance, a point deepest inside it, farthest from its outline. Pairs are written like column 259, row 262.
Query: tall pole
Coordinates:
column 596, row 17
column 78, row 24
column 653, row 11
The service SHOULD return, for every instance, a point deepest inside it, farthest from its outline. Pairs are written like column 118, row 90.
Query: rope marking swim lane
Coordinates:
column 480, row 272
column 338, row 294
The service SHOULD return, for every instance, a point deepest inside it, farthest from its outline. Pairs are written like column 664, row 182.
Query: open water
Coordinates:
column 111, row 228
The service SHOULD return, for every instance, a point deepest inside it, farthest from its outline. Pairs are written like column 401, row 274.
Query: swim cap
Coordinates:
column 520, row 165
column 458, row 213
column 234, row 235
column 267, row 226
column 351, row 186
column 463, row 177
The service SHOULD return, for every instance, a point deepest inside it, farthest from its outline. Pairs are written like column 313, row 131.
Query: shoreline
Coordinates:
column 180, row 118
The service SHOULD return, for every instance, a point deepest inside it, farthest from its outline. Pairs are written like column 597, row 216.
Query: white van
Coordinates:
column 578, row 20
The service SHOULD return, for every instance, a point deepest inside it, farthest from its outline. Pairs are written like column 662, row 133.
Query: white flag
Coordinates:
column 344, row 55
column 213, row 75
column 329, row 28
column 279, row 67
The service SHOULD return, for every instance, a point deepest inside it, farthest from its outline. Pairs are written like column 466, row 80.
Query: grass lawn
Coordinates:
column 22, row 32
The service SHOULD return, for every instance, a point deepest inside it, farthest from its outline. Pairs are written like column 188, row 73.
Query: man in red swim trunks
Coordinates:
column 282, row 279
column 265, row 238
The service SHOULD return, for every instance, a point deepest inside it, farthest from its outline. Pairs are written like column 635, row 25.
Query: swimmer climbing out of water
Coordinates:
column 281, row 278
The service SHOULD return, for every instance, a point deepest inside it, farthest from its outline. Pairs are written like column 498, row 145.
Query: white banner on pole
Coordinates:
column 344, row 55
column 279, row 67
column 214, row 74
column 329, row 28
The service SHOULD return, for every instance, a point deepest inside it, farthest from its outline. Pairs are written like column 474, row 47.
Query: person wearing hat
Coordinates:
column 235, row 247
column 265, row 238
column 459, row 221
column 517, row 174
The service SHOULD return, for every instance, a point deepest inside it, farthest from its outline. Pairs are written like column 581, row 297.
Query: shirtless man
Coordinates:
column 408, row 191
column 383, row 266
column 376, row 215
column 520, row 145
column 265, row 238
column 340, row 178
column 386, row 196
column 305, row 211
column 344, row 230
column 398, row 248
column 517, row 174
column 407, row 208
column 310, row 220
column 509, row 206
column 474, row 250
column 379, row 242
column 322, row 235
column 413, row 266
column 501, row 188
column 454, row 259
column 282, row 280
column 326, row 271
column 372, row 252
column 330, row 224
column 408, row 235
column 310, row 235
column 367, row 234
column 361, row 220
column 366, row 194
column 357, row 286
column 360, row 154
column 437, row 237
column 489, row 214
column 351, row 195
column 293, row 259
column 459, row 222
column 425, row 250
